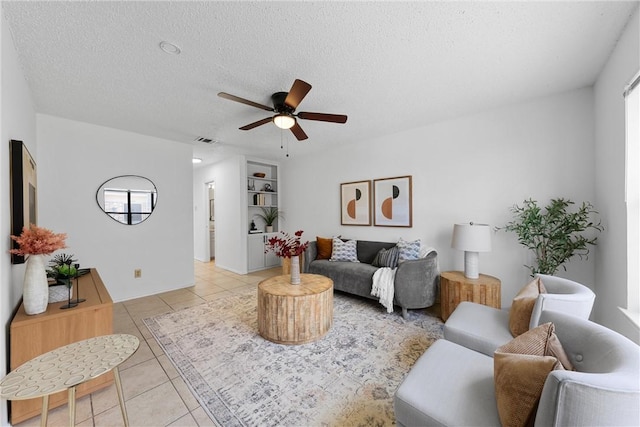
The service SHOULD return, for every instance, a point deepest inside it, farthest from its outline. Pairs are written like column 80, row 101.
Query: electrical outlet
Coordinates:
column 137, row 273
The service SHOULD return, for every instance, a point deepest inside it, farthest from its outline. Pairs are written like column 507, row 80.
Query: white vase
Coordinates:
column 295, row 270
column 269, row 228
column 35, row 290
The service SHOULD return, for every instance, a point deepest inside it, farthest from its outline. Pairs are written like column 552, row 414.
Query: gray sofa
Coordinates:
column 416, row 281
column 451, row 385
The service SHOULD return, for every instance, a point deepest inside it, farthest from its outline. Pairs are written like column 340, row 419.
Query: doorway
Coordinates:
column 211, row 230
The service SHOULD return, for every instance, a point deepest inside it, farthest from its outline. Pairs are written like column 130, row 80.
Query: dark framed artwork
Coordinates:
column 355, row 203
column 24, row 193
column 392, row 204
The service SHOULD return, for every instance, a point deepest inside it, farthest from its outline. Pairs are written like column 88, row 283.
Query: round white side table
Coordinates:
column 66, row 367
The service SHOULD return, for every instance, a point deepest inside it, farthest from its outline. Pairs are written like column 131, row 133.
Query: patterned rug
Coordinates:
column 347, row 378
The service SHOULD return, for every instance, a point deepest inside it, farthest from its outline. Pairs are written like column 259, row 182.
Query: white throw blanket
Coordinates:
column 384, row 282
column 383, row 286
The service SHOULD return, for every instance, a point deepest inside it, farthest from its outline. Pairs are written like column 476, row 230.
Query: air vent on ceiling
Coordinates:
column 205, row 140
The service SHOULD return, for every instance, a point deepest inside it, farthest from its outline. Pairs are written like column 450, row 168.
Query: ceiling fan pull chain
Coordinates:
column 287, row 146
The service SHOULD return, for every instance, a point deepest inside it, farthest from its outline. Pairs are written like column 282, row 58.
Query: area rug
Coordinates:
column 347, row 378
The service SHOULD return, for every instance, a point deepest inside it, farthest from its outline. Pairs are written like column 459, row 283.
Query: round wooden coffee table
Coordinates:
column 295, row 314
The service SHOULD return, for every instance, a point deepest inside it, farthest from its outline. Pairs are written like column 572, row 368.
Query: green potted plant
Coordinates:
column 554, row 233
column 269, row 216
column 62, row 269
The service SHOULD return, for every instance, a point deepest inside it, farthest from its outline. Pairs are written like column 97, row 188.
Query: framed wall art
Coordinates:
column 355, row 203
column 23, row 192
column 392, row 202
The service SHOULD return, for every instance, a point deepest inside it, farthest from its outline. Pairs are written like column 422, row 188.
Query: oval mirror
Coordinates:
column 128, row 199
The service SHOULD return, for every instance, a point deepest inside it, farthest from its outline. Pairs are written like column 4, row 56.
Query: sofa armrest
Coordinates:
column 417, row 281
column 563, row 295
column 310, row 255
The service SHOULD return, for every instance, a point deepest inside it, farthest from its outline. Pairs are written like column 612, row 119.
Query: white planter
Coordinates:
column 58, row 293
column 35, row 291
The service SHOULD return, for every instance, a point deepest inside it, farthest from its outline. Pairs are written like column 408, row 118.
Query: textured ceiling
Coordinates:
column 388, row 65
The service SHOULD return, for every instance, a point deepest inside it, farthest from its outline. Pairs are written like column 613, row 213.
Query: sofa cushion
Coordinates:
column 520, row 370
column 386, row 258
column 408, row 250
column 344, row 251
column 449, row 385
column 352, row 277
column 324, row 247
column 522, row 306
column 478, row 327
column 367, row 250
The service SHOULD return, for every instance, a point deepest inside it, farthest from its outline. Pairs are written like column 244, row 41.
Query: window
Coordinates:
column 128, row 206
column 632, row 125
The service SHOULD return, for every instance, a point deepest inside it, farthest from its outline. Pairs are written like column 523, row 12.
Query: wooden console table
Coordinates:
column 455, row 288
column 295, row 314
column 32, row 336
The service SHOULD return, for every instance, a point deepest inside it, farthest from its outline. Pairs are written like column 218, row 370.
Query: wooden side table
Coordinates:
column 295, row 314
column 455, row 288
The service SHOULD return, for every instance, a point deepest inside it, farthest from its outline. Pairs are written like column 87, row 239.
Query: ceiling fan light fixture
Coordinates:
column 284, row 121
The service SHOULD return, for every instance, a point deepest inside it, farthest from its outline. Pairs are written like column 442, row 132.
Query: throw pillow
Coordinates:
column 408, row 250
column 539, row 341
column 325, row 247
column 522, row 306
column 344, row 251
column 520, row 369
column 386, row 258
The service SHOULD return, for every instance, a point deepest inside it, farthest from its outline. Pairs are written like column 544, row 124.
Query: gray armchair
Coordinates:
column 484, row 329
column 451, row 385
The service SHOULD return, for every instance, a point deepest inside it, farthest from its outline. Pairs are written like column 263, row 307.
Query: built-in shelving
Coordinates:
column 262, row 192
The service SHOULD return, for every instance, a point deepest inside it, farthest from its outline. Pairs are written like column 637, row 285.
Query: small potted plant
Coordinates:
column 269, row 216
column 61, row 271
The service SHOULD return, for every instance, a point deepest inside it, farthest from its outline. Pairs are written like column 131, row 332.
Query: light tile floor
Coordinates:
column 154, row 392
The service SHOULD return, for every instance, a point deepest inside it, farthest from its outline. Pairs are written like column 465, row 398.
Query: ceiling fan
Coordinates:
column 284, row 105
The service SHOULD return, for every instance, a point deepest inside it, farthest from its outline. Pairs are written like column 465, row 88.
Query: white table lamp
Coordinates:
column 471, row 238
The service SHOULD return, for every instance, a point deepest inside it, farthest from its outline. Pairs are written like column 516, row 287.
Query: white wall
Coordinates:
column 17, row 121
column 230, row 213
column 611, row 277
column 469, row 169
column 74, row 160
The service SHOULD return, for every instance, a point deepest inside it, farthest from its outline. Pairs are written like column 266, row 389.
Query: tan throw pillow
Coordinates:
column 539, row 341
column 520, row 369
column 519, row 379
column 324, row 247
column 522, row 306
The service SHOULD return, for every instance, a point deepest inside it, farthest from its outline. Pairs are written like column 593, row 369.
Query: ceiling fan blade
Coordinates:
column 256, row 124
column 298, row 132
column 244, row 101
column 298, row 91
column 322, row 117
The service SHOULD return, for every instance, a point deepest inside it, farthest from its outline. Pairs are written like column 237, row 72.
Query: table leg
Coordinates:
column 71, row 401
column 45, row 411
column 116, row 376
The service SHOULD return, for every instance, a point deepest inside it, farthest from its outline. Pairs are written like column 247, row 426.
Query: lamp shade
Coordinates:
column 471, row 237
column 284, row 121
